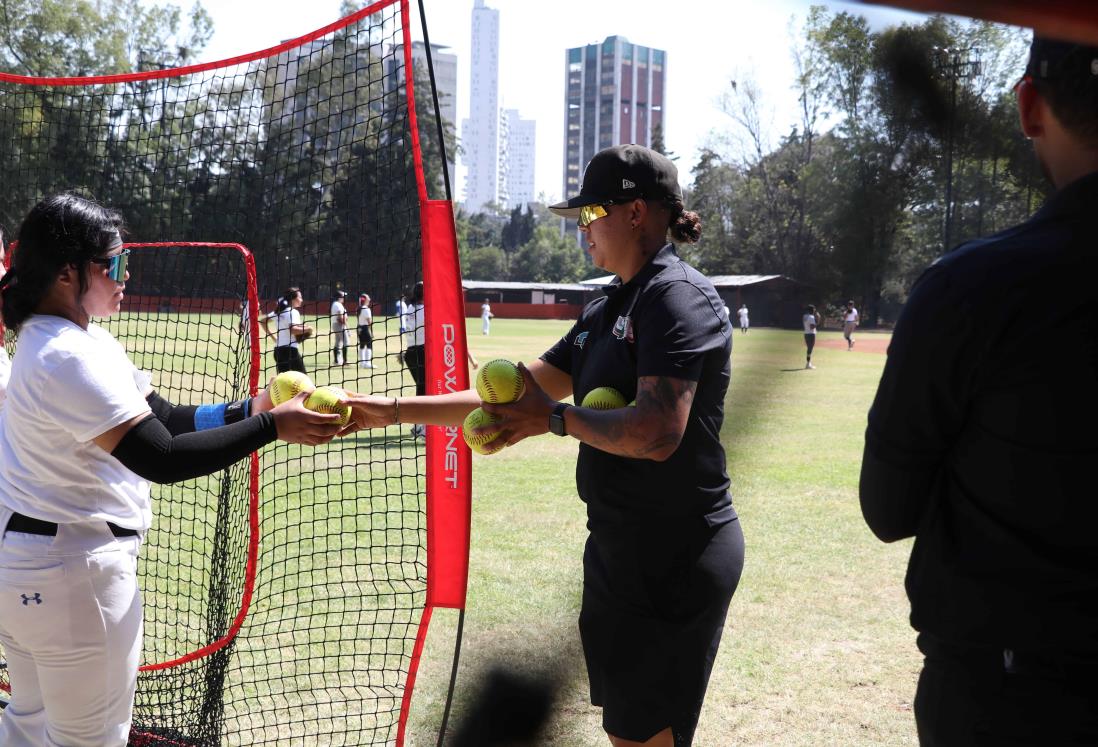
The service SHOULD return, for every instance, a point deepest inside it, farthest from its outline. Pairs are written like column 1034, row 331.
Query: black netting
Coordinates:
column 305, row 158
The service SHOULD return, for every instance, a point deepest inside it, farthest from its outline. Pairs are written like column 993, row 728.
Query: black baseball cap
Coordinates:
column 1051, row 59
column 623, row 172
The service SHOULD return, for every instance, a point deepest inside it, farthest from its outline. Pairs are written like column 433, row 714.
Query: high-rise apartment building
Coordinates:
column 517, row 154
column 480, row 132
column 614, row 94
column 445, row 65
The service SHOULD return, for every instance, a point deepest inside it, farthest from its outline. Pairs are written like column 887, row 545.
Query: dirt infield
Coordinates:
column 865, row 342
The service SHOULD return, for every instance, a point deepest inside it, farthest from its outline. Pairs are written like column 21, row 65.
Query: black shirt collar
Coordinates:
column 664, row 258
column 1081, row 196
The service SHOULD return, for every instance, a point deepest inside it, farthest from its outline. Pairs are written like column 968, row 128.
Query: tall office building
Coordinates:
column 614, row 94
column 445, row 65
column 480, row 132
column 517, row 155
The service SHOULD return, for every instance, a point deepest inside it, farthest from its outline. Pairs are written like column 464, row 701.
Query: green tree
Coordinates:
column 548, row 258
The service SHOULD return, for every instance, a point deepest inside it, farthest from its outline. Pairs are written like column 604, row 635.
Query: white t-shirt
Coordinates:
column 743, row 314
column 285, row 320
column 809, row 324
column 402, row 314
column 851, row 315
column 485, row 311
column 416, row 324
column 338, row 312
column 365, row 316
column 5, row 371
column 69, row 385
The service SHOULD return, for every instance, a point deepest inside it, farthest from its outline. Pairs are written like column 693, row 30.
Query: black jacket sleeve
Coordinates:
column 151, row 451
column 177, row 419
column 919, row 408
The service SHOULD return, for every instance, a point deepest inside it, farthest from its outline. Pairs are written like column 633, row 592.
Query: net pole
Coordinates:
column 438, row 109
column 453, row 678
column 449, row 196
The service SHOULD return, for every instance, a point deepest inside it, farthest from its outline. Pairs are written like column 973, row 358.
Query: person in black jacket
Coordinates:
column 665, row 549
column 981, row 445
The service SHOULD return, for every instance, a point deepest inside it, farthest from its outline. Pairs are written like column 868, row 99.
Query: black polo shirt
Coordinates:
column 983, row 438
column 666, row 321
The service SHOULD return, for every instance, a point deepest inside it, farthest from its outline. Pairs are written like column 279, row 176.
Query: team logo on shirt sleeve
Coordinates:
column 581, row 339
column 623, row 328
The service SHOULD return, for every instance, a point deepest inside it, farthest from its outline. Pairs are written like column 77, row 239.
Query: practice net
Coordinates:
column 286, row 599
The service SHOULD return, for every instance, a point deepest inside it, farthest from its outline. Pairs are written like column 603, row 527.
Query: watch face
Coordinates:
column 556, row 421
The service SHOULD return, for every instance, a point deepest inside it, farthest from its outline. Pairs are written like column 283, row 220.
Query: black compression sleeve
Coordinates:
column 152, row 452
column 178, row 419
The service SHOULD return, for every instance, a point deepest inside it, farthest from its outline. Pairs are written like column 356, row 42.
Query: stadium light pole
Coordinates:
column 957, row 64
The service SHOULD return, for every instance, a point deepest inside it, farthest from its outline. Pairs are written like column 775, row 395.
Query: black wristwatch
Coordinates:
column 556, row 419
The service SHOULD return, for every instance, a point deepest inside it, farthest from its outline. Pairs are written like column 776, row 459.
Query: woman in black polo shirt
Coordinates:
column 665, row 549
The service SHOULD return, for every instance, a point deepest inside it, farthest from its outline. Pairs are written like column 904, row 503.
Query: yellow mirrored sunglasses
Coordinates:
column 591, row 213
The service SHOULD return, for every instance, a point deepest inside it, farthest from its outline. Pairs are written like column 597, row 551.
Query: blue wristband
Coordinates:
column 215, row 416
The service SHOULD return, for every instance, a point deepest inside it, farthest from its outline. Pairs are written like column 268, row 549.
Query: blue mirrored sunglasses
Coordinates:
column 115, row 264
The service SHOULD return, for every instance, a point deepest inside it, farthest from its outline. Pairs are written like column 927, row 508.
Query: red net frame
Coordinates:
column 442, row 462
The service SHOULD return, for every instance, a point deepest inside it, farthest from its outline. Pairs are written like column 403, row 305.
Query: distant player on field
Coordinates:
column 810, row 320
column 744, row 321
column 850, row 323
column 365, row 332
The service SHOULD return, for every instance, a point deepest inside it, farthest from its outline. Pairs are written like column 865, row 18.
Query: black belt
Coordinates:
column 29, row 525
column 1056, row 664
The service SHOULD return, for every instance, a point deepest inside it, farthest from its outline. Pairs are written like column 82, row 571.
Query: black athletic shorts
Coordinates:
column 654, row 606
column 288, row 358
column 810, row 342
column 365, row 339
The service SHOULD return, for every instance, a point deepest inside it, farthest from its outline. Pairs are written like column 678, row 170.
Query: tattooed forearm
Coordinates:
column 651, row 430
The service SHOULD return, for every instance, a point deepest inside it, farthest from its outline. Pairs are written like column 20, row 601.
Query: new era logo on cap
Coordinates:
column 626, row 184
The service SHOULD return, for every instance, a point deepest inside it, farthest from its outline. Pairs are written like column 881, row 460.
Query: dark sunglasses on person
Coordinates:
column 115, row 264
column 590, row 213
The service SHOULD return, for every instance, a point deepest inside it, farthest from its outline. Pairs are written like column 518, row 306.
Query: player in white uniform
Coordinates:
column 744, row 321
column 485, row 317
column 82, row 435
column 365, row 332
column 810, row 320
column 338, row 314
column 850, row 323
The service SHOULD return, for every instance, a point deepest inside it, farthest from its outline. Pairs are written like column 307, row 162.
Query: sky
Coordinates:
column 708, row 43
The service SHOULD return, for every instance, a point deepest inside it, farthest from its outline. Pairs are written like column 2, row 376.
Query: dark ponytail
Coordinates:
column 685, row 226
column 287, row 299
column 61, row 230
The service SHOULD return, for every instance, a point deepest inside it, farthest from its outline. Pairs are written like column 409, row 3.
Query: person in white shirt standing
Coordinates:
column 365, row 332
column 340, row 341
column 82, row 435
column 485, row 317
column 850, row 323
column 810, row 319
column 744, row 322
column 290, row 331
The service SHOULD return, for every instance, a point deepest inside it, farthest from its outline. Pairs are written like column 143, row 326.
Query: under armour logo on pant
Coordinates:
column 37, row 599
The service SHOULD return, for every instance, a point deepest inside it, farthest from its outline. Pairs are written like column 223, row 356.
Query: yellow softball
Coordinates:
column 288, row 384
column 480, row 443
column 326, row 399
column 500, row 382
column 603, row 398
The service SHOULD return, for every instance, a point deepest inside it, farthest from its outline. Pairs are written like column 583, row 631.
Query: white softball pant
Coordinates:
column 70, row 625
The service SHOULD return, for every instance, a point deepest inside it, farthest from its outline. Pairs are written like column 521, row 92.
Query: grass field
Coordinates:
column 817, row 650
